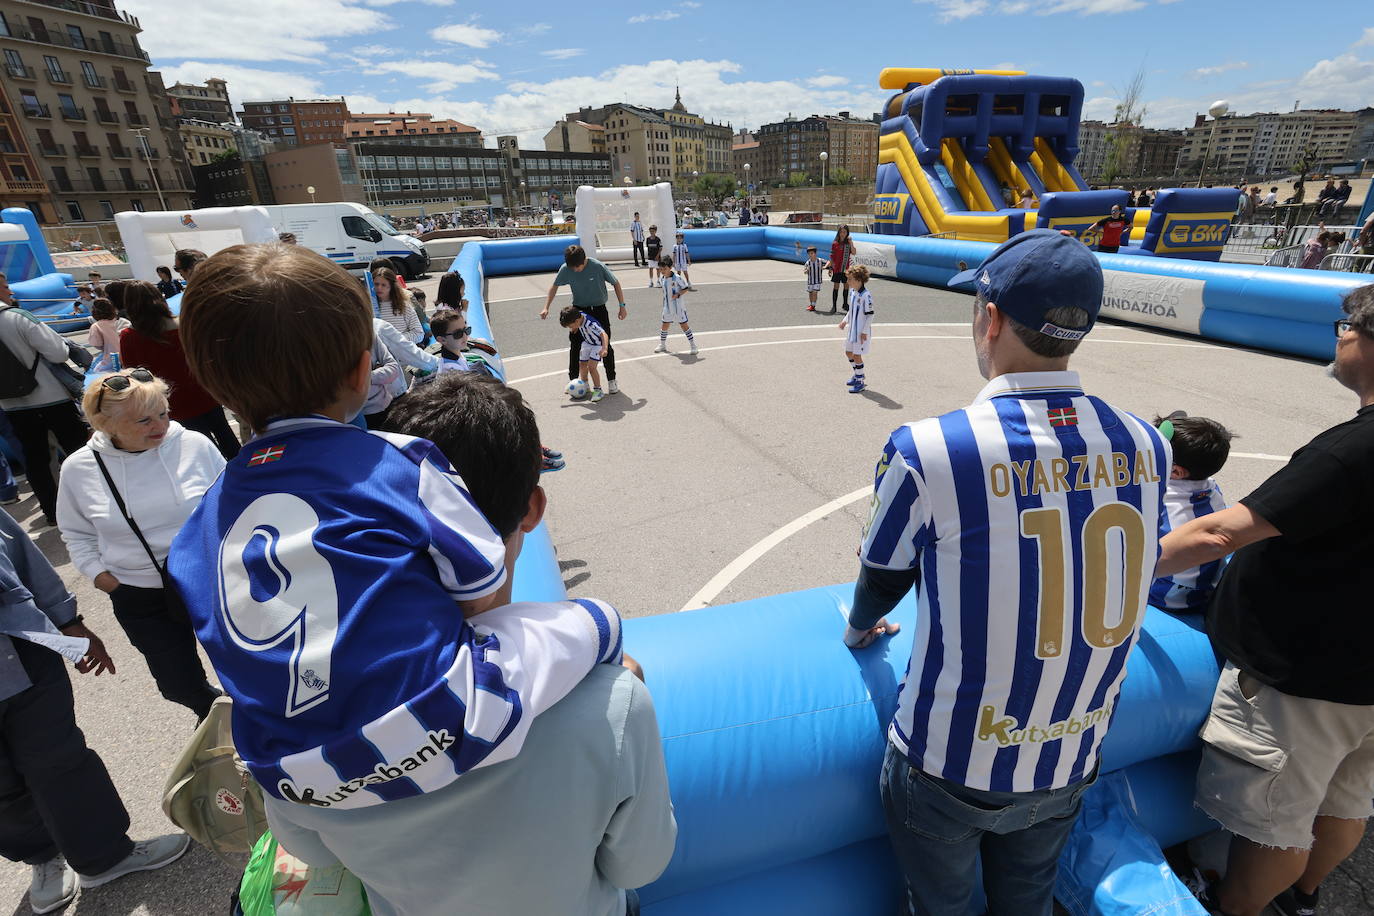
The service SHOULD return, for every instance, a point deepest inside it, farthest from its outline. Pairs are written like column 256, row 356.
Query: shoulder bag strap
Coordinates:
column 123, row 510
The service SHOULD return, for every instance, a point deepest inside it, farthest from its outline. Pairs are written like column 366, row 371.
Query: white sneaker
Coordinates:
column 597, row 395
column 52, row 886
column 651, row 284
column 147, row 856
column 694, row 349
column 612, row 387
column 661, row 348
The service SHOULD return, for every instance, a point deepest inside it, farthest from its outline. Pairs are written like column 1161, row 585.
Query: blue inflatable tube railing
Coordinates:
column 774, row 749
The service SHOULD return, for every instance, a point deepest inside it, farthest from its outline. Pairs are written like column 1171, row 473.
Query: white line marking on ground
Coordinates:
column 790, row 327
column 636, row 286
column 1260, row 456
column 830, row 340
column 742, row 562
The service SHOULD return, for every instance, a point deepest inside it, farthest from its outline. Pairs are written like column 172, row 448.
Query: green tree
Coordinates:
column 1126, row 124
column 841, row 176
column 224, row 155
column 798, row 180
column 714, row 188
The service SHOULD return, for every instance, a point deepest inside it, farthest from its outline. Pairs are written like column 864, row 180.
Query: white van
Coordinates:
column 350, row 234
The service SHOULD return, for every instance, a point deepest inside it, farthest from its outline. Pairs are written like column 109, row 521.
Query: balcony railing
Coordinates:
column 120, row 152
column 149, row 154
column 105, row 116
column 38, row 111
column 124, row 85
column 95, row 81
column 136, row 119
column 75, row 113
column 20, row 72
column 90, row 9
column 56, row 150
column 87, row 152
column 59, row 77
column 16, row 186
column 58, row 37
column 81, row 186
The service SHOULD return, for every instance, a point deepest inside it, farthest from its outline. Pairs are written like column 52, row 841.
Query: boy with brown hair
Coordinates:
column 321, row 569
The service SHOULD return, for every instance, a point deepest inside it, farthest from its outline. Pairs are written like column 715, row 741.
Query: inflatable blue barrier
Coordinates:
column 775, row 789
column 27, row 264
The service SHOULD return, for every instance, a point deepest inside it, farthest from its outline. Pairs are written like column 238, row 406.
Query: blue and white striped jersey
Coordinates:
column 592, row 332
column 814, row 271
column 1190, row 590
column 1033, row 518
column 636, row 231
column 681, row 256
column 321, row 573
column 673, row 307
column 860, row 318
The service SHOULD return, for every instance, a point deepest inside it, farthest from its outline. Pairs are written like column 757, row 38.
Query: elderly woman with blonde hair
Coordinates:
column 122, row 498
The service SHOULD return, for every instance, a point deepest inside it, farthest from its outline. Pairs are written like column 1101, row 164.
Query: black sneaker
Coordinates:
column 1294, row 902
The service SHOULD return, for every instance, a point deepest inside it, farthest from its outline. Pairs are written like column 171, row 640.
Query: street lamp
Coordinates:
column 824, row 157
column 1217, row 111
column 748, row 188
column 142, row 133
column 311, row 191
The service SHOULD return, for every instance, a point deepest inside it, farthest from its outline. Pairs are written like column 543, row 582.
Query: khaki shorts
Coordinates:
column 1273, row 762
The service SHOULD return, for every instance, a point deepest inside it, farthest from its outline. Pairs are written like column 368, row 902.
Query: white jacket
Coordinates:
column 161, row 488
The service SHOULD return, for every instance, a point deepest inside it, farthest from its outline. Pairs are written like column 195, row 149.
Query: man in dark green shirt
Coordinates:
column 587, row 278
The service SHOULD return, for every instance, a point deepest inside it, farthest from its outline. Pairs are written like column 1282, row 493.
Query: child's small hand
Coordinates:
column 844, row 323
column 863, row 338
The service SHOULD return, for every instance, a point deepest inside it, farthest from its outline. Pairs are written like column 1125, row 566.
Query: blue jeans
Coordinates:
column 938, row 829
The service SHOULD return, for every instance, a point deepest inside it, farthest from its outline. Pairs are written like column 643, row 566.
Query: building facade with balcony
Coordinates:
column 1269, row 143
column 208, row 101
column 233, row 182
column 90, row 111
column 21, row 183
column 793, row 146
column 202, row 141
column 298, row 122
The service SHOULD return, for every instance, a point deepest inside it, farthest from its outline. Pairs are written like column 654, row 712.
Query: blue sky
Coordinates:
column 750, row 62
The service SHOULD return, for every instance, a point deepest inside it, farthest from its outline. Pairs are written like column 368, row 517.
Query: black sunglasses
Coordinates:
column 120, row 382
column 461, row 332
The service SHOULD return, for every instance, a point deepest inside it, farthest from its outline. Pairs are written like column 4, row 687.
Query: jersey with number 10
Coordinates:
column 321, row 573
column 1033, row 518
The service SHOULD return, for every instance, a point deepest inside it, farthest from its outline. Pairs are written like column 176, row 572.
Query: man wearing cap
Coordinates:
column 1028, row 524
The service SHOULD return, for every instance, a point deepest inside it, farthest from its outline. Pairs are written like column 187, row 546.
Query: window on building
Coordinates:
column 391, row 184
column 446, row 183
column 287, row 120
column 280, row 108
column 4, row 25
column 68, row 105
column 459, row 162
column 288, row 131
column 14, row 63
column 367, row 162
column 410, row 184
column 406, row 163
column 429, row 184
column 386, row 162
column 424, row 162
column 54, row 68
column 89, row 72
column 74, row 211
column 462, row 181
column 107, row 209
column 136, row 205
column 78, row 40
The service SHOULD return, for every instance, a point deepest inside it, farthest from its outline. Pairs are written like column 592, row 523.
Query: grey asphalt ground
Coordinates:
column 684, row 480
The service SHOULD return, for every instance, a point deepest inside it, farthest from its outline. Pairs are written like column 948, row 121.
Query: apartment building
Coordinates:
column 331, row 171
column 21, row 183
column 794, row 145
column 410, row 127
column 208, row 101
column 202, row 141
column 742, row 153
column 233, row 182
column 298, row 122
column 575, row 137
column 1270, row 143
column 84, row 96
column 1144, row 151
column 719, row 140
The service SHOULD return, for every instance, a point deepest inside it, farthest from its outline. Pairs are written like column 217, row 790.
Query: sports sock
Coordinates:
column 663, row 337
column 859, row 372
column 834, row 297
column 690, row 339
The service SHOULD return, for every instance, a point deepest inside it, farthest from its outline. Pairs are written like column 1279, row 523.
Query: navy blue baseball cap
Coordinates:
column 1036, row 271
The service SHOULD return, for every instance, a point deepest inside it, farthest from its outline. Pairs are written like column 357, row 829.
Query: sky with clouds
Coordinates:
column 516, row 70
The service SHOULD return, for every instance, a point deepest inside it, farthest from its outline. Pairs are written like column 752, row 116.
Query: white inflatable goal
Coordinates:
column 151, row 239
column 604, row 216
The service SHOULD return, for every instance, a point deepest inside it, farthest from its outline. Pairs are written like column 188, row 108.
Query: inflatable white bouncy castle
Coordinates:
column 151, row 239
column 604, row 216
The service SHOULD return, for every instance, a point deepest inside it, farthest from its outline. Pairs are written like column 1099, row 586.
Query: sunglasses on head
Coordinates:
column 120, row 382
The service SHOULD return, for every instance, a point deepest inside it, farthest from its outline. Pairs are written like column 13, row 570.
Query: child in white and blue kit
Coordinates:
column 673, row 308
column 858, row 325
column 1201, row 446
column 682, row 259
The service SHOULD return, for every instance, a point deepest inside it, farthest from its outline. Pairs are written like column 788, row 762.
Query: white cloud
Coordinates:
column 955, row 10
column 1218, row 69
column 653, row 17
column 689, row 5
column 394, row 2
column 563, row 53
column 537, row 28
column 1091, row 7
column 255, row 30
column 827, row 80
column 1366, row 40
column 246, row 83
column 438, row 76
column 709, row 87
column 460, row 33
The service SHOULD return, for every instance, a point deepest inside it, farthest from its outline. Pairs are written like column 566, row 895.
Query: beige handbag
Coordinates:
column 210, row 793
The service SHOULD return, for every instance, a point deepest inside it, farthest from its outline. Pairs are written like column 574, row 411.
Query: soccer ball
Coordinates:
column 577, row 389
